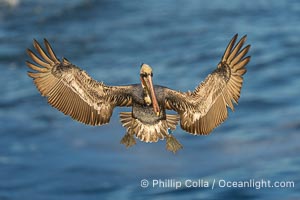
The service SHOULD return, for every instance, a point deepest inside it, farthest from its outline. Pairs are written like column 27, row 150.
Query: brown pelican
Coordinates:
column 73, row 92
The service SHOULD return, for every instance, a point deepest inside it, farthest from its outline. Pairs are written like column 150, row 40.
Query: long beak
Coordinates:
column 150, row 88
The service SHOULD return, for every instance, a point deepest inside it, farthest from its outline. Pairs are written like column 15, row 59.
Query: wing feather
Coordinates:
column 37, row 59
column 240, row 55
column 50, row 51
column 206, row 107
column 42, row 52
column 73, row 91
column 236, row 49
column 229, row 47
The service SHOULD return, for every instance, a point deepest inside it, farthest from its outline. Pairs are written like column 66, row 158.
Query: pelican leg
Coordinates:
column 128, row 140
column 172, row 144
column 127, row 121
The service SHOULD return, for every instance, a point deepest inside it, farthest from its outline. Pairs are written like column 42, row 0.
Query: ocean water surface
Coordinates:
column 46, row 155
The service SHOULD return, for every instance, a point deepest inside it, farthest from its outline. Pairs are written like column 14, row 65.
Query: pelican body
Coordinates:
column 73, row 92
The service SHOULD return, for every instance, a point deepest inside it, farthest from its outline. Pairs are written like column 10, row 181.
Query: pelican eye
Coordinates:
column 144, row 75
column 151, row 74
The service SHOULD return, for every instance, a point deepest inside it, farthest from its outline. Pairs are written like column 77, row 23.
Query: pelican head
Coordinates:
column 146, row 81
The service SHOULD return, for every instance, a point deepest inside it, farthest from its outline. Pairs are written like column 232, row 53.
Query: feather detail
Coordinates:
column 206, row 107
column 72, row 91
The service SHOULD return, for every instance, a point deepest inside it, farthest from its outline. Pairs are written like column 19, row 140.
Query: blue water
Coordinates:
column 46, row 155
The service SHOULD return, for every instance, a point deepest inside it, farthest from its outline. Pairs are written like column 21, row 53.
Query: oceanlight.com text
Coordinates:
column 215, row 183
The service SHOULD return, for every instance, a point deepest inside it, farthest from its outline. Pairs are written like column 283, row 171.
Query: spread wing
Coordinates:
column 206, row 107
column 72, row 91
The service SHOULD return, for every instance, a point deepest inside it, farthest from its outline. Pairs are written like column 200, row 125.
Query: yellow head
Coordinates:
column 146, row 70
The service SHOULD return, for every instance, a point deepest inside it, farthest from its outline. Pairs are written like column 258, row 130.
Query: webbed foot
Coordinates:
column 128, row 140
column 172, row 144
